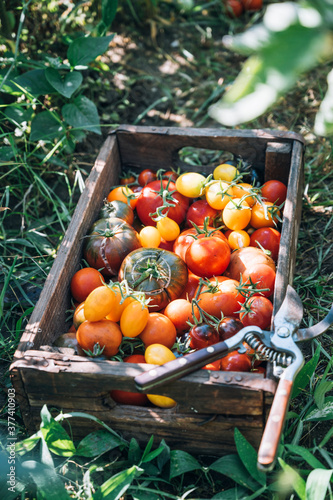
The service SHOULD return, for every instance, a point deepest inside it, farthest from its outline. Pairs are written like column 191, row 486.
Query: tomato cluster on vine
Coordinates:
column 177, row 262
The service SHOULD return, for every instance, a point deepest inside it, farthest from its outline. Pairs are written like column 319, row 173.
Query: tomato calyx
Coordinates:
column 128, row 346
column 167, row 201
column 150, row 269
column 108, row 231
column 249, row 288
column 96, row 352
column 204, row 229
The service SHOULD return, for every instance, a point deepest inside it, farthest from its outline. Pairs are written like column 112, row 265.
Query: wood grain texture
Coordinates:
column 210, row 404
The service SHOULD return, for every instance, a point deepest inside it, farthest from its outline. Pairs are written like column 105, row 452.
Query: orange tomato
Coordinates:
column 85, row 281
column 179, row 311
column 264, row 214
column 125, row 194
column 118, row 306
column 159, row 329
column 99, row 303
column 104, row 332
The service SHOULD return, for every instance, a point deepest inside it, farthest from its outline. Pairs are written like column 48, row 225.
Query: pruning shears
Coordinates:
column 279, row 345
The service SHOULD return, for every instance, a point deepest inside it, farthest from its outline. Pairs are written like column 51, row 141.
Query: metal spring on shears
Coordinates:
column 280, row 358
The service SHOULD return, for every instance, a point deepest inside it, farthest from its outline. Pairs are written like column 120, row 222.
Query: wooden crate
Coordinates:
column 210, row 404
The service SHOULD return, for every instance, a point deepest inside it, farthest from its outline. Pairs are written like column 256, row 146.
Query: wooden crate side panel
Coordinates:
column 278, row 161
column 149, row 147
column 49, row 315
column 196, row 434
column 290, row 227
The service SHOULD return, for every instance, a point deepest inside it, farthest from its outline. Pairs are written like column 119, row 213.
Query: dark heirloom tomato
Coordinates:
column 117, row 208
column 161, row 274
column 202, row 336
column 108, row 243
column 155, row 195
column 228, row 327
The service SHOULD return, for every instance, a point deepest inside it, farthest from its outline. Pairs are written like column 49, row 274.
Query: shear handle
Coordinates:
column 275, row 423
column 183, row 365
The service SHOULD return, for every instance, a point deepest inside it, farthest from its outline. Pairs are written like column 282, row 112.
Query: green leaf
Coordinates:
column 116, row 486
column 19, row 114
column 320, row 392
column 55, row 435
column 34, row 82
column 46, row 126
column 84, row 50
column 26, row 445
column 306, row 455
column 232, row 467
column 280, row 57
column 237, row 493
column 109, row 10
column 66, row 84
column 134, row 451
column 182, row 462
column 164, row 456
column 82, row 114
column 325, row 413
column 292, row 477
column 248, row 456
column 96, row 443
column 317, row 484
column 49, row 485
column 304, row 376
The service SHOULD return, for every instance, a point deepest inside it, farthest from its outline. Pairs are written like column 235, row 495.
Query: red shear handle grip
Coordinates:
column 274, row 426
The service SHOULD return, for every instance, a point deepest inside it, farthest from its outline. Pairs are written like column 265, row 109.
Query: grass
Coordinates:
column 39, row 190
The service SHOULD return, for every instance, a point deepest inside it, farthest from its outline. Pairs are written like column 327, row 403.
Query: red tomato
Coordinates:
column 208, row 256
column 154, row 196
column 260, row 310
column 234, row 8
column 146, row 176
column 85, row 281
column 179, row 311
column 188, row 236
column 106, row 333
column 170, row 174
column 267, row 238
column 221, row 297
column 126, row 397
column 252, row 4
column 191, row 286
column 203, row 335
column 235, row 362
column 198, row 211
column 262, row 276
column 243, row 258
column 166, row 245
column 127, row 178
column 274, row 191
column 159, row 330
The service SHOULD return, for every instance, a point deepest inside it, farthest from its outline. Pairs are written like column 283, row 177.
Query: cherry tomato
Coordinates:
column 157, row 354
column 156, row 195
column 263, row 278
column 126, row 397
column 225, row 172
column 78, row 316
column 238, row 239
column 208, row 256
column 99, row 303
column 146, row 176
column 159, row 329
column 274, row 191
column 170, row 174
column 119, row 305
column 127, row 178
column 198, row 212
column 221, row 296
column 236, row 214
column 236, row 362
column 191, row 184
column 234, row 8
column 228, row 327
column 150, row 237
column 85, row 281
column 133, row 319
column 218, row 194
column 168, row 229
column 258, row 312
column 179, row 311
column 203, row 335
column 245, row 191
column 264, row 214
column 252, row 5
column 105, row 333
column 267, row 238
column 123, row 193
column 166, row 245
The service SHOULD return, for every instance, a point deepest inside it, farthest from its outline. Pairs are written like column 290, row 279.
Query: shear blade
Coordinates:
column 290, row 312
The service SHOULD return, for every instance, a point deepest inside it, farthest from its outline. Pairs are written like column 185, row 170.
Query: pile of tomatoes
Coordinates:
column 177, row 262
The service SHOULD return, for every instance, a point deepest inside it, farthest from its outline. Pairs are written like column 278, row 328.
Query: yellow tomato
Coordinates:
column 245, row 191
column 218, row 194
column 118, row 306
column 190, row 184
column 225, row 172
column 168, row 229
column 158, row 354
column 133, row 319
column 150, row 237
column 99, row 303
column 236, row 214
column 238, row 239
